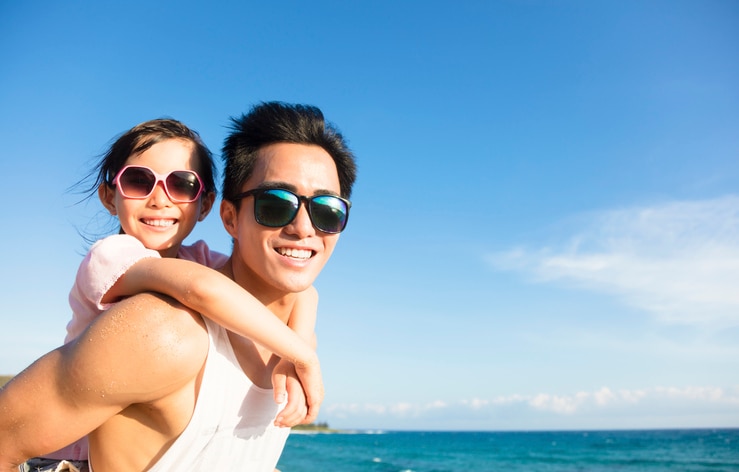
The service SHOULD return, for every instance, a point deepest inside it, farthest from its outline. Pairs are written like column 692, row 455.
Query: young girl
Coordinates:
column 158, row 179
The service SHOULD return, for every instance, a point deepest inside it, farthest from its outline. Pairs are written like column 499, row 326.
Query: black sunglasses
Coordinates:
column 277, row 207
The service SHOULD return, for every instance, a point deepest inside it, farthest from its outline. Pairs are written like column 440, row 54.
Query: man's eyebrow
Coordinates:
column 287, row 186
column 275, row 185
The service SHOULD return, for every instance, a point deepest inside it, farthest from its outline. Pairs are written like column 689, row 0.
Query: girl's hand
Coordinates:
column 303, row 403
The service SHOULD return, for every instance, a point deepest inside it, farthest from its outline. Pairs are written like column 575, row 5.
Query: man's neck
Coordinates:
column 279, row 303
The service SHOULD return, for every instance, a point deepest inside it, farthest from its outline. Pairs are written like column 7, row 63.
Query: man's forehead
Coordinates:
column 305, row 169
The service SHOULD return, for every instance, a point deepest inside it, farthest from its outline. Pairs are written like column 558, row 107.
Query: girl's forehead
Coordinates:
column 167, row 155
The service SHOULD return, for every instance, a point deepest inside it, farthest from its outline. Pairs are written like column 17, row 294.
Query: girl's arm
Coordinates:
column 224, row 301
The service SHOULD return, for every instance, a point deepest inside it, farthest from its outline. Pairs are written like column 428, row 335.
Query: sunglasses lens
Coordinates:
column 329, row 213
column 275, row 208
column 139, row 182
column 183, row 185
column 136, row 182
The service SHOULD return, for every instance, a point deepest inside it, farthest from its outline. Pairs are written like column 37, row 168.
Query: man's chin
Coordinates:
column 298, row 283
column 294, row 280
column 297, row 287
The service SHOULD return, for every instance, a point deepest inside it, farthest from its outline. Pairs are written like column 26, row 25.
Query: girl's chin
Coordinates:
column 163, row 247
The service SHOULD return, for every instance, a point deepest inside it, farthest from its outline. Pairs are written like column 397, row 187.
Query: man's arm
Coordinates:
column 139, row 351
column 23, row 434
column 303, row 321
column 303, row 317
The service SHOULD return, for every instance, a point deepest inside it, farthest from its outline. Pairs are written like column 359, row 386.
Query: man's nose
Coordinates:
column 301, row 225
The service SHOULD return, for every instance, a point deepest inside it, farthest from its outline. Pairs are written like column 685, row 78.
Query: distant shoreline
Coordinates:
column 314, row 428
column 4, row 379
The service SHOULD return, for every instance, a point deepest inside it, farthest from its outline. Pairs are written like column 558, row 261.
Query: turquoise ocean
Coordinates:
column 652, row 450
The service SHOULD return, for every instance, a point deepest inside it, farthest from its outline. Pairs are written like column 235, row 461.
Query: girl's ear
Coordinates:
column 206, row 204
column 229, row 217
column 106, row 193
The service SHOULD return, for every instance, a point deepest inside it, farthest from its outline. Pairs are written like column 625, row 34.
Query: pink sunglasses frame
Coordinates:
column 159, row 178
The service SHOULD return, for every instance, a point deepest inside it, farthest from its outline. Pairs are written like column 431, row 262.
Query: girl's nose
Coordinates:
column 159, row 197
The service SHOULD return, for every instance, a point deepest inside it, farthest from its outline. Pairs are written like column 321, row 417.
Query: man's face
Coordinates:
column 287, row 259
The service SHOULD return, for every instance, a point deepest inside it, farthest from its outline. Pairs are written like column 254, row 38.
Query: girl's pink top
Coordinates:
column 106, row 261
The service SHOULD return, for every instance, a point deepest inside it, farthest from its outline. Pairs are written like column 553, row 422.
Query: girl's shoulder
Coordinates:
column 114, row 255
column 202, row 254
column 117, row 248
column 117, row 242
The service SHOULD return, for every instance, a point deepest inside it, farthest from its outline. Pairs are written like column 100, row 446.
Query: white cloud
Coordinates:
column 678, row 260
column 607, row 398
column 692, row 406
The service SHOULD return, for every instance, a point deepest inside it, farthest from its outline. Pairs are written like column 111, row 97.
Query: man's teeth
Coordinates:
column 159, row 222
column 296, row 253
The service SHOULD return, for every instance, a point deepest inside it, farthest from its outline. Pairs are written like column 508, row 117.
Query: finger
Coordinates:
column 313, row 385
column 279, row 386
column 292, row 419
column 311, row 414
column 313, row 401
column 298, row 408
column 287, row 415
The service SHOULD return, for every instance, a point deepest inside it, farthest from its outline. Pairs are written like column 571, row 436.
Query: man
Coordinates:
column 158, row 387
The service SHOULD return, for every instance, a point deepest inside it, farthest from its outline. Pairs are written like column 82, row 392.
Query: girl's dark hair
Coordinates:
column 137, row 140
column 143, row 136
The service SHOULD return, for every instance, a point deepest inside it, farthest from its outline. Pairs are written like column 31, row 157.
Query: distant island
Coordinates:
column 314, row 428
column 4, row 379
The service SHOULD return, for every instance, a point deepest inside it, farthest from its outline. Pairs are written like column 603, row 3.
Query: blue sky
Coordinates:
column 545, row 229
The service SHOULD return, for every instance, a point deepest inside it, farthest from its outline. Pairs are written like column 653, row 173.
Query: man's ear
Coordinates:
column 106, row 194
column 229, row 217
column 206, row 204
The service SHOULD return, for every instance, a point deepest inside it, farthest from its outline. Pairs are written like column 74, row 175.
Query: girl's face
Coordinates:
column 156, row 221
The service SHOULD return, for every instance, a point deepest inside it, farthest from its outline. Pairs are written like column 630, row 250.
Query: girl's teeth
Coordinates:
column 159, row 222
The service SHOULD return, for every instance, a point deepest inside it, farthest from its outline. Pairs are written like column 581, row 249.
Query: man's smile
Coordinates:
column 295, row 253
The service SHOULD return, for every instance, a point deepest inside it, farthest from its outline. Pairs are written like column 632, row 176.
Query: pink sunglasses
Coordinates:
column 182, row 186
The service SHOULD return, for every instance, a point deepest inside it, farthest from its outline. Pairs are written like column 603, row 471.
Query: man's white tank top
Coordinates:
column 232, row 427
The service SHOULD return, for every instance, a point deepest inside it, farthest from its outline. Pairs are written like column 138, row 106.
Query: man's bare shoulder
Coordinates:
column 154, row 342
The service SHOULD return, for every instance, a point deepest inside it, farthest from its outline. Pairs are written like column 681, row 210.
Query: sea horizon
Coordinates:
column 332, row 430
column 654, row 450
